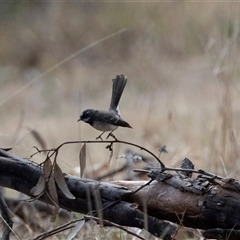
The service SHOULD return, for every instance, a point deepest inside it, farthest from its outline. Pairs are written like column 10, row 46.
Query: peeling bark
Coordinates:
column 211, row 204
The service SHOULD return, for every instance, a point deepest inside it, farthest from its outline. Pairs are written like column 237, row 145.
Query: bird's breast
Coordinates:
column 104, row 127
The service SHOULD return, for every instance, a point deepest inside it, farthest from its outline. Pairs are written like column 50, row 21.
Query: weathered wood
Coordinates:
column 91, row 196
column 214, row 203
column 208, row 203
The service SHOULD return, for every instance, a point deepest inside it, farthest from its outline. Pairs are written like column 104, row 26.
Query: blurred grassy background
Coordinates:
column 181, row 59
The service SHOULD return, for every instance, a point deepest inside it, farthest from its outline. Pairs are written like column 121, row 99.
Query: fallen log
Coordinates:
column 208, row 203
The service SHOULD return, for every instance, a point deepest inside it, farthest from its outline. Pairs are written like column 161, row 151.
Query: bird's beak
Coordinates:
column 79, row 119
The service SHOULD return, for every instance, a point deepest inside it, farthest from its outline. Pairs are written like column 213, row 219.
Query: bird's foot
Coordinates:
column 111, row 135
column 100, row 137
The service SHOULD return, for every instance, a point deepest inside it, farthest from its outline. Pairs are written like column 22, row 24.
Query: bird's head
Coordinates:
column 85, row 116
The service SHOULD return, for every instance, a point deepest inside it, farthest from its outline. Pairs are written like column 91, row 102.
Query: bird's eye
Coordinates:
column 85, row 115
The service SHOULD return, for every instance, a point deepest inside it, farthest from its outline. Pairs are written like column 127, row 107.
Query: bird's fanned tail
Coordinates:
column 118, row 86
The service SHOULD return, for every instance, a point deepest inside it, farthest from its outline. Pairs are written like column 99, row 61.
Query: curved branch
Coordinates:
column 105, row 141
column 22, row 175
column 201, row 202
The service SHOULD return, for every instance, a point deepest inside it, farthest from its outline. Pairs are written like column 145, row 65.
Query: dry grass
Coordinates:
column 181, row 60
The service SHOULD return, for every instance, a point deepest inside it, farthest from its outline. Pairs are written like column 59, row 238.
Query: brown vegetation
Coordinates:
column 181, row 59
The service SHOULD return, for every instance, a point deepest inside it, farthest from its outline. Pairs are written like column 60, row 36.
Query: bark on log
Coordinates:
column 22, row 175
column 214, row 204
column 210, row 204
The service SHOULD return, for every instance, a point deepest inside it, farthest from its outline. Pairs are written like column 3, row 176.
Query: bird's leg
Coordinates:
column 111, row 134
column 100, row 136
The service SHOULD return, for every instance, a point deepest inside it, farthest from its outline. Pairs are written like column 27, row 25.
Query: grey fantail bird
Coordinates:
column 108, row 121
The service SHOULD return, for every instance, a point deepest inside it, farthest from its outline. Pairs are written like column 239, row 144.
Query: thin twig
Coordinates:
column 6, row 219
column 58, row 229
column 106, row 141
column 49, row 70
column 106, row 222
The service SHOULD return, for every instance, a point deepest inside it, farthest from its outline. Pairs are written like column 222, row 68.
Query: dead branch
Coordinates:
column 204, row 202
column 96, row 198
